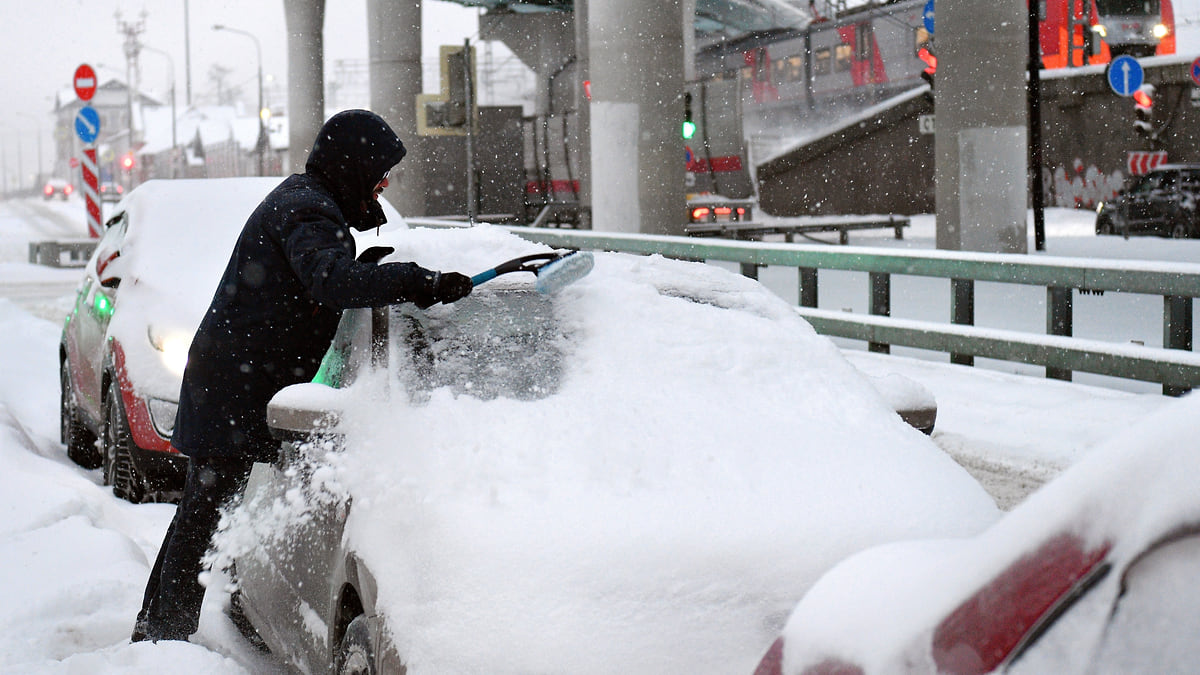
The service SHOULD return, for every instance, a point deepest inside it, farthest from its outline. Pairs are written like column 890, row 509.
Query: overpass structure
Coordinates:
column 625, row 132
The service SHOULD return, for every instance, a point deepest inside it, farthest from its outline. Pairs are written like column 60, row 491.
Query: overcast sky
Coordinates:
column 43, row 41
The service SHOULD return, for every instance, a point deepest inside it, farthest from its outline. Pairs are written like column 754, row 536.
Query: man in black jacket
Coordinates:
column 273, row 316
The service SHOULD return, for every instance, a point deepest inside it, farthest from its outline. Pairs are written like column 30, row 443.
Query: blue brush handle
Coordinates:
column 484, row 276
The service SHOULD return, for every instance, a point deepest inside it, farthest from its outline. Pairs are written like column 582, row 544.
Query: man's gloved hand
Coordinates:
column 452, row 286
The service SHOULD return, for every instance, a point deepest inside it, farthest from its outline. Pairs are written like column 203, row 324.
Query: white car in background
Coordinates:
column 640, row 473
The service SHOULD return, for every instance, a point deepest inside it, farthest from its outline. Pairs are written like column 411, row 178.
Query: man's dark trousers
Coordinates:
column 171, row 606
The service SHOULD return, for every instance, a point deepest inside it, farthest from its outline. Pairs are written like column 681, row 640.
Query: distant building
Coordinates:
column 201, row 142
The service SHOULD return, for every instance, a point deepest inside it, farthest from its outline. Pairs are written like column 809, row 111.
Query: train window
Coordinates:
column 795, row 68
column 842, row 55
column 778, row 72
column 1126, row 7
column 822, row 61
column 787, row 70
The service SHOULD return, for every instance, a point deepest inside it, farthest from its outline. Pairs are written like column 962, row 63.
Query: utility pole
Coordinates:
column 133, row 46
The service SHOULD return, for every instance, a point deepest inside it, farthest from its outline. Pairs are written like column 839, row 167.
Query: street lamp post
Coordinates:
column 38, row 122
column 261, row 141
column 174, row 139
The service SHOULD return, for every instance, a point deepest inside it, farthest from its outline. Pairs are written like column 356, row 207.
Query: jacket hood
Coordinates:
column 350, row 155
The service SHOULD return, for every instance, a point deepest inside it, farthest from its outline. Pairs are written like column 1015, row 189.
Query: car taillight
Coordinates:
column 700, row 213
column 68, row 189
column 49, row 190
column 772, row 661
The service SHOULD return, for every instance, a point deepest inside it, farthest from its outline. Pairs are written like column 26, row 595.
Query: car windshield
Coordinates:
column 499, row 343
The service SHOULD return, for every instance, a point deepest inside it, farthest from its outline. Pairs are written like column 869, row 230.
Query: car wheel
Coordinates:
column 356, row 654
column 119, row 469
column 80, row 441
column 1104, row 225
column 1180, row 230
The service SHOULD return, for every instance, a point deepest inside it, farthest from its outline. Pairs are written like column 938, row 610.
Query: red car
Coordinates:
column 1096, row 572
column 125, row 342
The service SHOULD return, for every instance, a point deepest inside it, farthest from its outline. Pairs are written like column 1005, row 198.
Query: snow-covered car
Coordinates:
column 1094, row 573
column 639, row 473
column 125, row 341
column 1165, row 201
column 57, row 186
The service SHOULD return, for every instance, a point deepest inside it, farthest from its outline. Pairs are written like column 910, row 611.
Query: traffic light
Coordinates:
column 127, row 161
column 689, row 127
column 1143, row 108
column 930, row 60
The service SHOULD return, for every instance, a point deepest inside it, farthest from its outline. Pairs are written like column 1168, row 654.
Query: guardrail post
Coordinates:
column 1177, row 332
column 881, row 304
column 808, row 286
column 750, row 270
column 962, row 311
column 1059, row 321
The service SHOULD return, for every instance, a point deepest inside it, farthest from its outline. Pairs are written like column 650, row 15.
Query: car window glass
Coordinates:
column 337, row 367
column 1153, row 627
column 499, row 343
column 1147, row 184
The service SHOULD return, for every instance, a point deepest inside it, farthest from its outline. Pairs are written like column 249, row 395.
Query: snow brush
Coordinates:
column 553, row 270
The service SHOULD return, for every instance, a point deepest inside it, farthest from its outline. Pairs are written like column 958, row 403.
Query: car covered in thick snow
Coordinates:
column 124, row 343
column 1095, row 573
column 641, row 472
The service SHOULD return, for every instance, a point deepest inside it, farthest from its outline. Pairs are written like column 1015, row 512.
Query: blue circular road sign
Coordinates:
column 1195, row 71
column 1125, row 75
column 87, row 124
column 927, row 16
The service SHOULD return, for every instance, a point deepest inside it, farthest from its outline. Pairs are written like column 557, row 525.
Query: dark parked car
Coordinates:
column 1164, row 202
column 620, row 459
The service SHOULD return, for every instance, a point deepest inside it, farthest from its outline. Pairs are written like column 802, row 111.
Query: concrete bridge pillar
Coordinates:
column 635, row 54
column 305, row 21
column 981, row 146
column 394, row 52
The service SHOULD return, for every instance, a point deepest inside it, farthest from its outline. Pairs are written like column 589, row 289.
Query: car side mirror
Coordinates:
column 301, row 412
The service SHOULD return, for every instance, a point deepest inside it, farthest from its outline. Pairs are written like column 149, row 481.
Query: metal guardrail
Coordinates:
column 1175, row 366
column 63, row 253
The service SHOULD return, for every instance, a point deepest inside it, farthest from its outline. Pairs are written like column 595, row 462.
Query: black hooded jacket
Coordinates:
column 291, row 274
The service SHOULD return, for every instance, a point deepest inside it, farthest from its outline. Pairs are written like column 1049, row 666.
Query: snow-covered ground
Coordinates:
column 73, row 560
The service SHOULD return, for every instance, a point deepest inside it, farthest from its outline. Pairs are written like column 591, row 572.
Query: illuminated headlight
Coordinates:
column 1100, row 30
column 1099, row 207
column 174, row 347
column 1160, row 31
column 162, row 415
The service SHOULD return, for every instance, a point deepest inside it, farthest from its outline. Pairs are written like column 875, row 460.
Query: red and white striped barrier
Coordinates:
column 1141, row 163
column 91, row 191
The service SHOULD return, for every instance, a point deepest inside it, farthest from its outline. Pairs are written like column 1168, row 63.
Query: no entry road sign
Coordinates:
column 85, row 82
